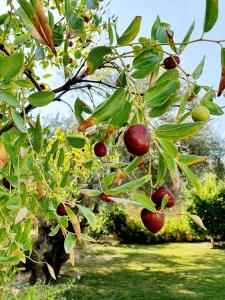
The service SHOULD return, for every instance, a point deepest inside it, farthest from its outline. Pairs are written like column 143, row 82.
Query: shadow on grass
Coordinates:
column 138, row 273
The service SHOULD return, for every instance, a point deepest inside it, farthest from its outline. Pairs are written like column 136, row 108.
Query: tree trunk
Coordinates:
column 212, row 242
column 46, row 249
column 50, row 249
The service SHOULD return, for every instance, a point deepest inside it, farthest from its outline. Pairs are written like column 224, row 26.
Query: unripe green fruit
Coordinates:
column 200, row 113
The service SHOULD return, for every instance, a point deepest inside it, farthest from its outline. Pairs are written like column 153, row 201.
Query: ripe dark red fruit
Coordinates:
column 171, row 62
column 42, row 86
column 158, row 195
column 106, row 198
column 61, row 210
column 137, row 139
column 70, row 44
column 142, row 162
column 100, row 149
column 152, row 221
column 7, row 184
column 86, row 19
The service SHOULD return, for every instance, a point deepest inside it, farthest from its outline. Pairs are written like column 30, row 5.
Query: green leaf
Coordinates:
column 57, row 37
column 3, row 18
column 144, row 200
column 96, row 58
column 133, row 165
column 182, row 106
column 169, row 75
column 92, row 4
column 37, row 141
column 41, row 98
column 158, row 94
column 129, row 186
column 88, row 163
column 106, row 110
column 207, row 100
column 160, row 110
column 54, row 231
column 192, row 178
column 154, row 28
column 68, row 9
column 54, row 147
column 76, row 141
column 9, row 99
column 24, row 83
column 213, row 108
column 87, row 238
column 90, row 193
column 80, row 107
column 108, row 180
column 161, row 171
column 169, row 147
column 10, row 66
column 89, row 215
column 187, row 38
column 13, row 203
column 145, row 57
column 60, row 158
column 131, row 32
column 211, row 14
column 120, row 119
column 76, row 23
column 190, row 160
column 51, row 20
column 198, row 71
column 110, row 31
column 69, row 242
column 172, row 167
column 19, row 122
column 21, row 39
column 145, row 63
column 161, row 32
column 65, row 179
column 177, row 132
column 164, row 201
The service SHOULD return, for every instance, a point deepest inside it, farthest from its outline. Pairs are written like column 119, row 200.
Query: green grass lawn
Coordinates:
column 166, row 271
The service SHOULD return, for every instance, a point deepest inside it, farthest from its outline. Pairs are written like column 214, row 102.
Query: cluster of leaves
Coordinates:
column 61, row 33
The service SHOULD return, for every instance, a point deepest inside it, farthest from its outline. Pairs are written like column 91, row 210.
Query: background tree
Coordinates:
column 210, row 206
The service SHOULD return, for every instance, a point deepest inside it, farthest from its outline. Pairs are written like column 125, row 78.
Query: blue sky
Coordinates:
column 180, row 14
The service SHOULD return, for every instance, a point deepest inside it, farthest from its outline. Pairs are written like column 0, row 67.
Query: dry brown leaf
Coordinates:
column 22, row 152
column 3, row 156
column 198, row 221
column 76, row 225
column 119, row 177
column 64, row 232
column 176, row 181
column 40, row 189
column 222, row 83
column 51, row 271
column 72, row 257
column 43, row 26
column 21, row 215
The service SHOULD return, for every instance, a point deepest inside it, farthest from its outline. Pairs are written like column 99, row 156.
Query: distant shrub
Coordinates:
column 209, row 205
column 111, row 219
column 128, row 229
